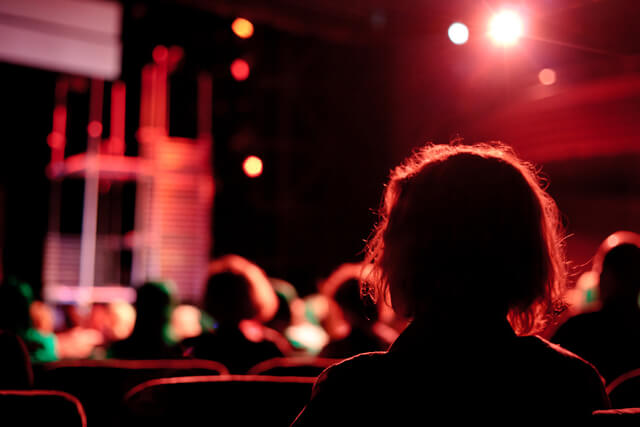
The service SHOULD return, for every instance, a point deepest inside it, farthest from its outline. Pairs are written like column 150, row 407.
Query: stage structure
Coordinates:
column 171, row 237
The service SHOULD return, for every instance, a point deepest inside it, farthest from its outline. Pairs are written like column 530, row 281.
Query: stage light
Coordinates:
column 505, row 28
column 240, row 69
column 160, row 54
column 252, row 166
column 547, row 76
column 242, row 28
column 458, row 33
column 94, row 129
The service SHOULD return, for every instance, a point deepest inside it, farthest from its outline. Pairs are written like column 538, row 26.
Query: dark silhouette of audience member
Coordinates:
column 610, row 337
column 16, row 372
column 151, row 337
column 468, row 247
column 239, row 298
column 15, row 300
column 352, row 323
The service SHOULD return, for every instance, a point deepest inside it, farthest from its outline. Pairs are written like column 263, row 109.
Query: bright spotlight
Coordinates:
column 458, row 33
column 505, row 28
column 242, row 28
column 252, row 166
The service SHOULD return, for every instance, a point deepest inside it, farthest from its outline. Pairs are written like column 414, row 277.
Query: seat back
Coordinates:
column 616, row 417
column 100, row 385
column 293, row 366
column 624, row 391
column 217, row 401
column 21, row 408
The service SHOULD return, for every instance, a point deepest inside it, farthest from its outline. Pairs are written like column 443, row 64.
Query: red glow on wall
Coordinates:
column 242, row 28
column 94, row 129
column 240, row 69
column 252, row 166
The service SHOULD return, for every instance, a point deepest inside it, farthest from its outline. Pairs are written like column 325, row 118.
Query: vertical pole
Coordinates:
column 91, row 190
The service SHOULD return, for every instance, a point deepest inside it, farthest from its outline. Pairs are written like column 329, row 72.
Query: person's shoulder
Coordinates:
column 555, row 353
column 357, row 369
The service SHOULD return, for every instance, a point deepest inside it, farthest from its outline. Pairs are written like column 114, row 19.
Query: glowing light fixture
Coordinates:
column 242, row 28
column 240, row 69
column 252, row 166
column 160, row 54
column 94, row 129
column 547, row 76
column 458, row 33
column 505, row 28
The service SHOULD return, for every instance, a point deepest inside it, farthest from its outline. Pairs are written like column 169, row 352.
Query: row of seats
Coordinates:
column 119, row 392
column 100, row 385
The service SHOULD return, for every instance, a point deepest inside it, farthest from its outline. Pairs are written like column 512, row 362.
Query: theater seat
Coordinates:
column 624, row 391
column 100, row 385
column 35, row 408
column 616, row 417
column 228, row 400
column 293, row 366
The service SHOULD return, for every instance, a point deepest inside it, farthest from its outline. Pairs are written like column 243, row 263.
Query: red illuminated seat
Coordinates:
column 27, row 408
column 293, row 366
column 101, row 384
column 219, row 400
column 624, row 391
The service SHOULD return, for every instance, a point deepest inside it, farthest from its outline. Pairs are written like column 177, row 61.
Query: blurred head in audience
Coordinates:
column 238, row 290
column 15, row 316
column 15, row 301
column 186, row 321
column 468, row 232
column 42, row 317
column 618, row 265
column 154, row 304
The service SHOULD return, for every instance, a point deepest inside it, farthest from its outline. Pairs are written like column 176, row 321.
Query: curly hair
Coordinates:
column 472, row 225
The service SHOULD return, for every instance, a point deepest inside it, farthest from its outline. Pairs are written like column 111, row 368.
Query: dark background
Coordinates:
column 339, row 92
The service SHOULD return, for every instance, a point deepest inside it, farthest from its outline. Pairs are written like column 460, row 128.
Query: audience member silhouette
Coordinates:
column 151, row 337
column 15, row 300
column 239, row 298
column 468, row 246
column 16, row 372
column 610, row 337
column 352, row 323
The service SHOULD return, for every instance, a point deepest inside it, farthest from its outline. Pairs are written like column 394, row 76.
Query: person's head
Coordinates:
column 237, row 290
column 15, row 299
column 468, row 230
column 154, row 304
column 618, row 264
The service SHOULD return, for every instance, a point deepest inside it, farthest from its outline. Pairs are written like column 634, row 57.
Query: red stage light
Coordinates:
column 94, row 129
column 252, row 166
column 160, row 54
column 242, row 28
column 240, row 69
column 547, row 76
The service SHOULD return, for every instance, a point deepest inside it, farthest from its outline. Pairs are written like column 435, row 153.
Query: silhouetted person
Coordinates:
column 468, row 247
column 151, row 336
column 610, row 337
column 16, row 372
column 15, row 301
column 358, row 321
column 239, row 298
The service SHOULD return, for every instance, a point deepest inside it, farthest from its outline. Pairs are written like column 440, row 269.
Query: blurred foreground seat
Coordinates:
column 100, row 385
column 39, row 408
column 293, row 366
column 624, row 391
column 227, row 400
